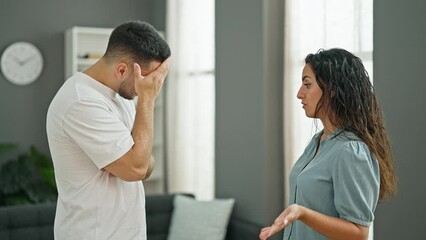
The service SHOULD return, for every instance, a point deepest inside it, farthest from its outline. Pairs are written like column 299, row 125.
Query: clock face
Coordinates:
column 21, row 63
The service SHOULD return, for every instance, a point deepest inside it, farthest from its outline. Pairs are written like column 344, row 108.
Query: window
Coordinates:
column 191, row 97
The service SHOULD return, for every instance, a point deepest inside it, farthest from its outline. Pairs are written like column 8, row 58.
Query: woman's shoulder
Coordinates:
column 346, row 138
column 350, row 149
column 349, row 143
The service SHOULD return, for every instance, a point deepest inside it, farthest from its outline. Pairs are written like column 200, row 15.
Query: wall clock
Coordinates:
column 21, row 63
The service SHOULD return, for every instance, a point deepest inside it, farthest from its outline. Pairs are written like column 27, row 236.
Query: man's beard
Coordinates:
column 126, row 92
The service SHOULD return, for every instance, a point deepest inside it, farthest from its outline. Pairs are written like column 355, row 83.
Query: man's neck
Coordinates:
column 101, row 72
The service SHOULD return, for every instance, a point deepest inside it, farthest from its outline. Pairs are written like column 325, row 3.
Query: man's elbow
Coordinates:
column 130, row 167
column 136, row 174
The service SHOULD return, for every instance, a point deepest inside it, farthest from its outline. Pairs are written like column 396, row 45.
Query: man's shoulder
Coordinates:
column 77, row 88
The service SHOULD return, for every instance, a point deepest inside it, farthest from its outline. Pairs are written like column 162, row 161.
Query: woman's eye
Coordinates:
column 307, row 85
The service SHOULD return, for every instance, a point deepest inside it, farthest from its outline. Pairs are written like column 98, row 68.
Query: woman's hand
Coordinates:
column 292, row 213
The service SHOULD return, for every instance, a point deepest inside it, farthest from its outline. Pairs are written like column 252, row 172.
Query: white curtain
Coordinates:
column 191, row 97
column 309, row 26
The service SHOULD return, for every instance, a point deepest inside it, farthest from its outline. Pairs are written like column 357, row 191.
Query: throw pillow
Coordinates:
column 200, row 220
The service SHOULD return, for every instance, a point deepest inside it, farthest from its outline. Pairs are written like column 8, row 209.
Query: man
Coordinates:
column 101, row 144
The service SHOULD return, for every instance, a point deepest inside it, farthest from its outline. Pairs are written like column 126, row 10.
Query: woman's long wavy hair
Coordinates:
column 350, row 102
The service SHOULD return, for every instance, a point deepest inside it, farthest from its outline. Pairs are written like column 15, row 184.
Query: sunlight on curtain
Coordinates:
column 191, row 97
column 309, row 26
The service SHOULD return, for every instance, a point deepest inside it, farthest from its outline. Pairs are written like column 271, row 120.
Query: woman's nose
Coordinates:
column 299, row 94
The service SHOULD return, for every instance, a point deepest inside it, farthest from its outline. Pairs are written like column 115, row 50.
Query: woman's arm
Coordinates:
column 331, row 227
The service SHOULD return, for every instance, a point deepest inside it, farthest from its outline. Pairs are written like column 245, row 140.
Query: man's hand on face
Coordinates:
column 148, row 87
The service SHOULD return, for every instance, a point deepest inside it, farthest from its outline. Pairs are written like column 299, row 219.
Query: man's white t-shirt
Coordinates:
column 88, row 127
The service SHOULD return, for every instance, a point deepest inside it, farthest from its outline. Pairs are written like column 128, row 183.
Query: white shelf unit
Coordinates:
column 83, row 41
column 80, row 42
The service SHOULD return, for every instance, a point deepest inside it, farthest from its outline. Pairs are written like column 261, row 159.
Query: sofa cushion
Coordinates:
column 158, row 216
column 27, row 222
column 240, row 229
column 195, row 220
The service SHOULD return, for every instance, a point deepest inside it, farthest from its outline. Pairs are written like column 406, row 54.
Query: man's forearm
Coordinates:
column 143, row 131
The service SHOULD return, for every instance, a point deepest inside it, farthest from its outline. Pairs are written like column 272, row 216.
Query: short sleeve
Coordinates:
column 97, row 131
column 356, row 181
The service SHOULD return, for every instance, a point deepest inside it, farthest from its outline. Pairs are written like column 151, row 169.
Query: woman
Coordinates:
column 347, row 167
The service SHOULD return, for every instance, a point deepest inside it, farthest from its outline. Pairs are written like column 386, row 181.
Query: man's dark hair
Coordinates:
column 138, row 41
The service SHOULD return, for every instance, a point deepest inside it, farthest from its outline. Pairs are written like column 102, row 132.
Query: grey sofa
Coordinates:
column 35, row 222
